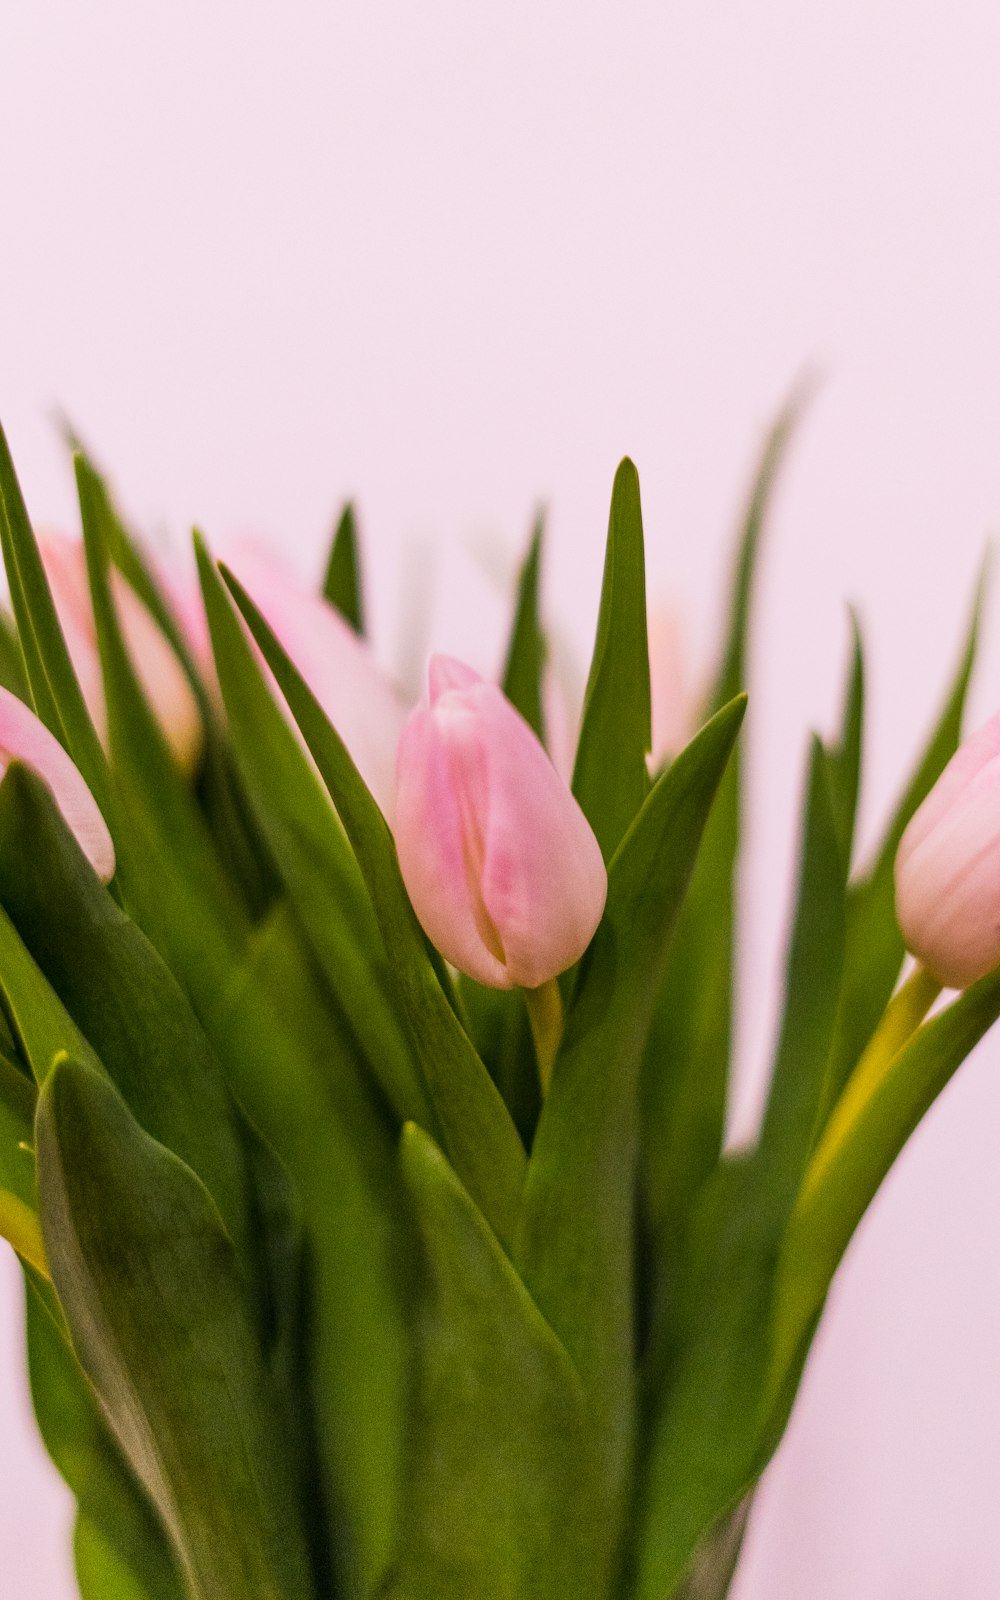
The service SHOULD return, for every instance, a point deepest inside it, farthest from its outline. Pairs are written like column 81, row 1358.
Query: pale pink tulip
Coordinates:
column 24, row 738
column 338, row 666
column 673, row 712
column 948, row 867
column 499, row 861
column 160, row 673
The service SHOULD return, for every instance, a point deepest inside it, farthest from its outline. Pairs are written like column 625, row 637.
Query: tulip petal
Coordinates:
column 24, row 738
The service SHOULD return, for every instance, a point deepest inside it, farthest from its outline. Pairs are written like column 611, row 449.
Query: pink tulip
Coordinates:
column 24, row 738
column 160, row 673
column 499, row 861
column 948, row 867
column 338, row 666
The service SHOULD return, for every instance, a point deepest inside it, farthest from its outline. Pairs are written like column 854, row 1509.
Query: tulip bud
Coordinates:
column 337, row 665
column 160, row 673
column 948, row 867
column 24, row 738
column 499, row 861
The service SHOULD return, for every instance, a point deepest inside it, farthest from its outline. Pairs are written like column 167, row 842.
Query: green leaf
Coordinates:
column 12, row 674
column 610, row 779
column 313, row 856
column 142, row 757
column 342, row 581
column 480, row 1137
column 685, row 1080
column 118, row 992
column 874, row 949
column 574, row 1245
column 525, row 665
column 55, row 693
column 845, row 755
column 297, row 1074
column 153, row 1294
column 40, row 1022
column 500, row 1503
column 812, row 989
column 125, row 1538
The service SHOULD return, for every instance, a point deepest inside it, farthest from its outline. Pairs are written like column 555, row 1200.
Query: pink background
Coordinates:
column 453, row 258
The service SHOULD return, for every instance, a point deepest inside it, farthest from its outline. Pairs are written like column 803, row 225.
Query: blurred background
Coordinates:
column 456, row 260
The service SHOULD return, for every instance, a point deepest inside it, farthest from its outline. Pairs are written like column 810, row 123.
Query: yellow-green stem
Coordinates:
column 545, row 1013
column 823, row 1219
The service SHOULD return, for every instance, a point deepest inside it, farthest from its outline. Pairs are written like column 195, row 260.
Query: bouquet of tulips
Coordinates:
column 363, row 1078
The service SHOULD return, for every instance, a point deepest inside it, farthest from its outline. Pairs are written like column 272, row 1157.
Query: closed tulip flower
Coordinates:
column 24, row 738
column 948, row 867
column 160, row 673
column 500, row 863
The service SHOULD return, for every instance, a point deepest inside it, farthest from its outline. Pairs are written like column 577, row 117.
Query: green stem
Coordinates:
column 545, row 1013
column 855, row 1149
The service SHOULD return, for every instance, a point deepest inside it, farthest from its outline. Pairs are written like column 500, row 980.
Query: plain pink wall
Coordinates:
column 453, row 258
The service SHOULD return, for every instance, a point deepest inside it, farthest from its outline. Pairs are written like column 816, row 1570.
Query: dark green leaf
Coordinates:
column 12, row 675
column 298, row 1076
column 342, row 581
column 117, row 990
column 610, row 779
column 153, row 1294
column 574, row 1244
column 845, row 755
column 314, row 857
column 526, row 653
column 500, row 1503
column 481, row 1139
column 812, row 988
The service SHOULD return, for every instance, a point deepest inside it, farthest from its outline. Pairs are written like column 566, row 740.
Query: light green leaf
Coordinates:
column 610, row 779
column 500, row 1503
column 480, row 1137
column 575, row 1242
column 845, row 755
column 153, row 1294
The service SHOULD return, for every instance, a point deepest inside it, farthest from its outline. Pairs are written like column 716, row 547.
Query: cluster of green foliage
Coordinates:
column 325, row 1297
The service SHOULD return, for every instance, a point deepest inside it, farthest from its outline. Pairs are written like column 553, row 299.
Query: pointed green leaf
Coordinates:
column 142, row 757
column 55, row 693
column 574, row 1244
column 500, row 1503
column 342, row 580
column 610, row 779
column 117, row 990
column 685, row 1082
column 313, row 855
column 874, row 949
column 845, row 755
column 481, row 1139
column 526, row 653
column 12, row 675
column 153, row 1294
column 812, row 989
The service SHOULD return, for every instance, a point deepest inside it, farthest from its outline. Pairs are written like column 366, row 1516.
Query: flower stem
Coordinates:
column 545, row 1013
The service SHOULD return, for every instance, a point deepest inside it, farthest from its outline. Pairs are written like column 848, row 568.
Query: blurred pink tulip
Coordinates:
column 948, row 867
column 499, row 861
column 161, row 675
column 24, row 738
column 338, row 666
column 673, row 716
